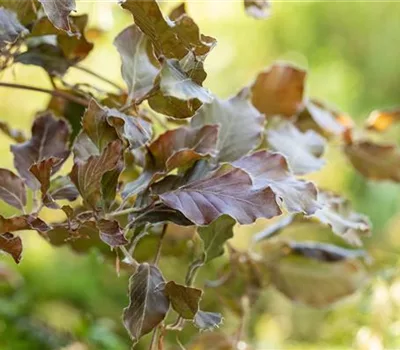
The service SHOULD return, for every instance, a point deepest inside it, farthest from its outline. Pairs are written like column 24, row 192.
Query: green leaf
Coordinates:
column 184, row 300
column 12, row 189
column 148, row 303
column 215, row 235
column 11, row 245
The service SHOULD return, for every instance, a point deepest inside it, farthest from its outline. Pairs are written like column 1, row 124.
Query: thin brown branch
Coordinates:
column 98, row 76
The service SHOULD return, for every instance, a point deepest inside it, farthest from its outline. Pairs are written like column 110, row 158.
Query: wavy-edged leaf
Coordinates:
column 241, row 125
column 10, row 27
column 227, row 191
column 184, row 300
column 139, row 65
column 87, row 175
column 148, row 303
column 111, row 233
column 269, row 169
column 11, row 245
column 215, row 235
column 279, row 91
column 381, row 120
column 206, row 321
column 50, row 138
column 58, row 12
column 258, row 9
column 302, row 150
column 12, row 189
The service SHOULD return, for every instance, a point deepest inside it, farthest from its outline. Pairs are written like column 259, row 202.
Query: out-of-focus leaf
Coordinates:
column 11, row 245
column 84, row 147
column 215, row 235
column 274, row 229
column 271, row 170
column 279, row 91
column 111, row 233
column 12, row 189
column 24, row 222
column 184, row 300
column 241, row 125
column 375, row 161
column 212, row 340
column 15, row 134
column 336, row 212
column 381, row 120
column 302, row 150
column 10, row 28
column 58, row 12
column 87, row 175
column 207, row 320
column 178, row 11
column 24, row 9
column 227, row 191
column 139, row 65
column 148, row 303
column 50, row 138
column 257, row 8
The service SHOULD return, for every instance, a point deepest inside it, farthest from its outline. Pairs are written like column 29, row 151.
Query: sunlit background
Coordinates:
column 352, row 53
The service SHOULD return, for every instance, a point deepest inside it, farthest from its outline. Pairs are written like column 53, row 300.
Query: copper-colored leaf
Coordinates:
column 257, row 8
column 184, row 300
column 11, row 245
column 58, row 12
column 111, row 233
column 148, row 303
column 302, row 150
column 12, row 189
column 241, row 125
column 10, row 27
column 87, row 175
column 50, row 138
column 279, row 91
column 381, row 120
column 227, row 191
column 269, row 169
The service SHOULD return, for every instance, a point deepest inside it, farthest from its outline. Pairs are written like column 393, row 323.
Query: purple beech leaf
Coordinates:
column 279, row 91
column 11, row 245
column 21, row 223
column 215, row 235
column 227, row 191
column 336, row 212
column 258, row 9
column 24, row 9
column 302, row 150
column 14, row 134
column 139, row 65
column 269, row 169
column 110, row 185
column 111, row 233
column 178, row 11
column 274, row 229
column 10, row 28
column 87, row 175
column 241, row 125
column 50, row 138
column 12, row 189
column 58, row 12
column 148, row 304
column 184, row 300
column 206, row 321
column 84, row 147
column 62, row 188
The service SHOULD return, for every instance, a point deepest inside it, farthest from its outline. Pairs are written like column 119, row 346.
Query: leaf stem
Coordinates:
column 160, row 243
column 98, row 76
column 153, row 341
column 124, row 212
column 57, row 93
column 129, row 257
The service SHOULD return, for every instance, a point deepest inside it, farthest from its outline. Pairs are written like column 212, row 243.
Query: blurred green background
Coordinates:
column 55, row 299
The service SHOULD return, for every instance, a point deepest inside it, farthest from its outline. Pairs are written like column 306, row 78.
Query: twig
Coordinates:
column 129, row 257
column 160, row 243
column 98, row 76
column 153, row 341
column 57, row 93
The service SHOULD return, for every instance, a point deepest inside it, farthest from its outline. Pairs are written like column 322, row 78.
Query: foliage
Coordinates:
column 217, row 164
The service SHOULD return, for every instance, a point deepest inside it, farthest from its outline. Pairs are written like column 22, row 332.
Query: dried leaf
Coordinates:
column 227, row 191
column 215, row 236
column 21, row 223
column 11, row 245
column 50, row 138
column 58, row 12
column 271, row 170
column 258, row 9
column 279, row 91
column 302, row 150
column 111, row 233
column 87, row 175
column 12, row 189
column 381, row 120
column 241, row 125
column 148, row 303
column 207, row 320
column 10, row 28
column 184, row 300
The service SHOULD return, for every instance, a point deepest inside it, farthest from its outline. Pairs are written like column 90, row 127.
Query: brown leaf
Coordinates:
column 178, row 11
column 227, row 191
column 12, row 189
column 10, row 28
column 258, row 9
column 279, row 91
column 87, row 175
column 241, row 125
column 269, row 169
column 62, row 188
column 21, row 223
column 50, row 138
column 148, row 303
column 16, row 135
column 302, row 150
column 111, row 233
column 381, row 120
column 11, row 245
column 184, row 300
column 58, row 12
